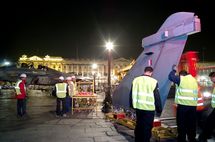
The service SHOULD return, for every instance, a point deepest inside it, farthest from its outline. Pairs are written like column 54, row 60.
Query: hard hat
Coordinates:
column 69, row 78
column 61, row 78
column 23, row 75
column 73, row 77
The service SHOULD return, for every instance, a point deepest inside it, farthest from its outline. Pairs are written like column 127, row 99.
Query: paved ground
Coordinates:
column 41, row 125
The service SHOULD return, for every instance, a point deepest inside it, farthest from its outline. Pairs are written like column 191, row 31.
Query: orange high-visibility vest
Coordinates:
column 200, row 103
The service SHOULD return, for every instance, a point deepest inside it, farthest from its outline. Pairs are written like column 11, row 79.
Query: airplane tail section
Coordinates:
column 161, row 51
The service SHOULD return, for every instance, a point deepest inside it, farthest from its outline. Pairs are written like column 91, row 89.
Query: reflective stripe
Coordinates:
column 61, row 91
column 187, row 90
column 142, row 102
column 16, row 87
column 186, row 98
column 199, row 99
column 17, row 83
column 18, row 92
column 142, row 94
column 200, row 104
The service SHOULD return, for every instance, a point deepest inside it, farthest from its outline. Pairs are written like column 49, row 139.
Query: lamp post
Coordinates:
column 94, row 66
column 108, row 100
column 109, row 46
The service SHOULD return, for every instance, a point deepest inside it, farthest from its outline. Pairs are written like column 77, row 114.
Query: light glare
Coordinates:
column 109, row 45
column 94, row 66
column 6, row 63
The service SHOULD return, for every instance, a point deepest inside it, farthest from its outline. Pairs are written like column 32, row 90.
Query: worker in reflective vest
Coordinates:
column 61, row 90
column 145, row 99
column 186, row 98
column 209, row 123
column 20, row 89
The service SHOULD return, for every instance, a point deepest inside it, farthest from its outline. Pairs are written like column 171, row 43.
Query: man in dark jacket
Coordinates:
column 186, row 98
column 146, row 100
column 61, row 91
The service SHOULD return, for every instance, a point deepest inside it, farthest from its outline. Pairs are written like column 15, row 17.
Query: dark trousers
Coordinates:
column 68, row 104
column 186, row 123
column 209, row 126
column 61, row 106
column 21, row 107
column 144, row 124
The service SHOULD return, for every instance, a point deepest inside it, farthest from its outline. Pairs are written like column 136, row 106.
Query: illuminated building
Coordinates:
column 80, row 67
column 83, row 67
column 34, row 61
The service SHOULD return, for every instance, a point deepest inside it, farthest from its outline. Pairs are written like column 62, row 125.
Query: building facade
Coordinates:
column 79, row 67
column 83, row 67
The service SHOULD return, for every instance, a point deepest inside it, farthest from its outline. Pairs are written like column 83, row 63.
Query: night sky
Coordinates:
column 79, row 29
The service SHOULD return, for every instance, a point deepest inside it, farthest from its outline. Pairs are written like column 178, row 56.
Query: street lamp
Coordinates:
column 6, row 63
column 108, row 100
column 109, row 47
column 94, row 66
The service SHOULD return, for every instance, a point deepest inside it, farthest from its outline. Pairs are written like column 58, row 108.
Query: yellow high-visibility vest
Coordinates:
column 61, row 89
column 187, row 91
column 18, row 92
column 142, row 93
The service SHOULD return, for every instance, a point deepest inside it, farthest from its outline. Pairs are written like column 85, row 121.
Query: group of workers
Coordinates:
column 63, row 91
column 146, row 101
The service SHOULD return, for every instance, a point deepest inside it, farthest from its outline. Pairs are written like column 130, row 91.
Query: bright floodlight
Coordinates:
column 94, row 66
column 109, row 45
column 6, row 63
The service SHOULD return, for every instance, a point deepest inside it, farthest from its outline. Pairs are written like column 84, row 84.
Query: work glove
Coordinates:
column 174, row 67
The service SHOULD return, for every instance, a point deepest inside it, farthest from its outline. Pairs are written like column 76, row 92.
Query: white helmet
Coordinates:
column 69, row 78
column 61, row 78
column 23, row 75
